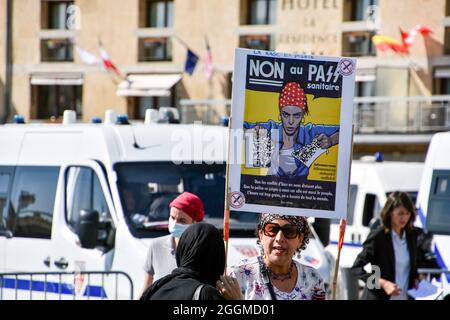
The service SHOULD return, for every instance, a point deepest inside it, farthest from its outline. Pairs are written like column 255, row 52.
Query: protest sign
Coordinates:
column 291, row 133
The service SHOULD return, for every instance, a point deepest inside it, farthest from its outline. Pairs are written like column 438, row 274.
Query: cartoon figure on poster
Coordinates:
column 290, row 146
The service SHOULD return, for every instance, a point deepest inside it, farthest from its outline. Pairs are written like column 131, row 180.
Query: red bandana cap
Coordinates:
column 292, row 95
column 191, row 204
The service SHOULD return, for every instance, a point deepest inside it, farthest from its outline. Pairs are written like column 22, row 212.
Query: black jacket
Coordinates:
column 180, row 285
column 379, row 250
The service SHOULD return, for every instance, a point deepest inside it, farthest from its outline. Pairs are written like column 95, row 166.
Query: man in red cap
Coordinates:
column 292, row 134
column 185, row 210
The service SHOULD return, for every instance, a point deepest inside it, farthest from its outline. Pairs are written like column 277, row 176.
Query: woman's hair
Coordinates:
column 397, row 199
column 201, row 249
column 300, row 222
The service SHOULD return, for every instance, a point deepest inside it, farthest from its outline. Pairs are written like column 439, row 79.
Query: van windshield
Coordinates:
column 147, row 188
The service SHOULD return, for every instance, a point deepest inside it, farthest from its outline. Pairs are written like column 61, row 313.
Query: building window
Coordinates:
column 356, row 10
column 155, row 49
column 228, row 85
column 442, row 86
column 51, row 101
column 143, row 103
column 155, row 13
column 358, row 44
column 447, row 40
column 364, row 88
column 56, row 50
column 365, row 112
column 257, row 42
column 54, row 14
column 258, row 12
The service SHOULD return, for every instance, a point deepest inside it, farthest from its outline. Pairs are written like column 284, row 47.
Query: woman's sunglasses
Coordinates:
column 289, row 231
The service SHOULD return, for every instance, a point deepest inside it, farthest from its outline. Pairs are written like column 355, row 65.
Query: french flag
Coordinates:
column 87, row 57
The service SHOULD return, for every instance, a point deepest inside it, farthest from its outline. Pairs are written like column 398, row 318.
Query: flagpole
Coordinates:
column 107, row 63
column 185, row 45
column 342, row 226
column 210, row 85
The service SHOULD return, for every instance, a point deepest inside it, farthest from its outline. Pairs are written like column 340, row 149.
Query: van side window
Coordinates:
column 437, row 220
column 33, row 200
column 5, row 184
column 371, row 209
column 84, row 192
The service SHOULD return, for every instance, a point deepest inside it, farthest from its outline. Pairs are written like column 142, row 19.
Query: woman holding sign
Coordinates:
column 274, row 275
column 298, row 144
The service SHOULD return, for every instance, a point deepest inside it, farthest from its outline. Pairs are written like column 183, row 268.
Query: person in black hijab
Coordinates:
column 201, row 261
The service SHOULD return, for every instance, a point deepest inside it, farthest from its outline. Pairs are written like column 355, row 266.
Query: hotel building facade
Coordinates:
column 147, row 40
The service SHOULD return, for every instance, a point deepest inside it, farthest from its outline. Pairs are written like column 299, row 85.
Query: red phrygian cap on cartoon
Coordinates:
column 293, row 94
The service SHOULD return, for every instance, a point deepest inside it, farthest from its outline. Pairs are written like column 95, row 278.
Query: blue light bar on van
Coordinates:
column 378, row 157
column 122, row 119
column 224, row 121
column 18, row 119
column 96, row 120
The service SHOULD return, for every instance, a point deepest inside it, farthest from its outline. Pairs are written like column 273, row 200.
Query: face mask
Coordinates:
column 177, row 229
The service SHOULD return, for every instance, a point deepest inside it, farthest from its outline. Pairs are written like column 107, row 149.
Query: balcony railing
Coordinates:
column 370, row 114
column 401, row 114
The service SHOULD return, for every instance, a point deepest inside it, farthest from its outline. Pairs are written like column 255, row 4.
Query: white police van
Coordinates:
column 371, row 181
column 90, row 197
column 433, row 200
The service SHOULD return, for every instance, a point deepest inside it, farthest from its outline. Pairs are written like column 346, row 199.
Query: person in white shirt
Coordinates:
column 185, row 210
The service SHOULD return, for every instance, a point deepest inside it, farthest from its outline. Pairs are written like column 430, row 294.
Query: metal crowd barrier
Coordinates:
column 75, row 285
column 430, row 271
column 443, row 275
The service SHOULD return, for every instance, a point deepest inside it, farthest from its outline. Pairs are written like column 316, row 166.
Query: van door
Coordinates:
column 6, row 175
column 29, row 219
column 85, row 189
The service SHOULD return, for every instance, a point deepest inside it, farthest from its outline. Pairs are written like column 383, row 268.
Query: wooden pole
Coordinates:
column 342, row 225
column 226, row 211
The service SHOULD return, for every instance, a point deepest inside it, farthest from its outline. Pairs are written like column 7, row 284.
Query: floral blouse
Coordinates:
column 309, row 284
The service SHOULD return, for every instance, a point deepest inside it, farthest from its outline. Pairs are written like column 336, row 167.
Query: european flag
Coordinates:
column 191, row 62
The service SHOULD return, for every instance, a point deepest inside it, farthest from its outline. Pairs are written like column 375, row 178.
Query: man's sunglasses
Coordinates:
column 289, row 231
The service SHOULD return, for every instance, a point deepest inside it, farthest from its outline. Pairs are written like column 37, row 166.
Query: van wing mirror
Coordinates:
column 87, row 228
column 6, row 233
